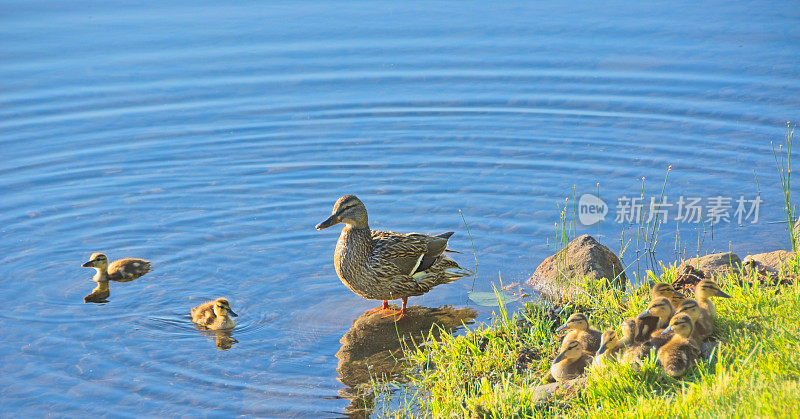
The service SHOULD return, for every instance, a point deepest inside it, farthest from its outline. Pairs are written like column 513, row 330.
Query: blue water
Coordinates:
column 210, row 138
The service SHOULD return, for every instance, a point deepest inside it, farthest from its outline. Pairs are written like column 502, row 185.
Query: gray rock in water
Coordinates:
column 584, row 256
column 714, row 264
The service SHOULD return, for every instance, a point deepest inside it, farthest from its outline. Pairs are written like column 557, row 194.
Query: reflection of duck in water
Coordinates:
column 372, row 347
column 123, row 270
column 213, row 318
column 384, row 265
column 222, row 338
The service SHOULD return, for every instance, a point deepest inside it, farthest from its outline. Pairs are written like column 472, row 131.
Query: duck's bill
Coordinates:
column 327, row 223
column 721, row 293
column 667, row 330
column 232, row 313
column 643, row 314
column 562, row 327
column 459, row 272
column 559, row 357
column 89, row 264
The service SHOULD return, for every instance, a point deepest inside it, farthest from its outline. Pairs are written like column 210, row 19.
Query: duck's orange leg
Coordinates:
column 385, row 306
column 399, row 313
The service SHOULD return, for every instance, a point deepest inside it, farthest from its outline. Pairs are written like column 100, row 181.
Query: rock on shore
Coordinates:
column 583, row 256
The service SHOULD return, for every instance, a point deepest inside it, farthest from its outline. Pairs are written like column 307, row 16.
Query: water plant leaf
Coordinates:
column 490, row 298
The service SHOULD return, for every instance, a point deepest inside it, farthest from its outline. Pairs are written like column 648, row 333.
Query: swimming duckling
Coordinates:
column 214, row 315
column 702, row 293
column 99, row 294
column 610, row 347
column 587, row 335
column 679, row 353
column 571, row 362
column 634, row 351
column 122, row 270
column 662, row 309
column 701, row 329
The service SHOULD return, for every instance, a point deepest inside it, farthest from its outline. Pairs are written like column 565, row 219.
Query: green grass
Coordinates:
column 754, row 372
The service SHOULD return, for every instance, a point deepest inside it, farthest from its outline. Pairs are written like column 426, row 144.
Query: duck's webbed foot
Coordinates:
column 385, row 306
column 398, row 313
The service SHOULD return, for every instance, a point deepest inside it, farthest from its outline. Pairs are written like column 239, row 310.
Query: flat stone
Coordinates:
column 770, row 261
column 714, row 264
column 546, row 391
column 583, row 257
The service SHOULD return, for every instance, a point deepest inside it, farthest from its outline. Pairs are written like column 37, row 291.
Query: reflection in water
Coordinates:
column 373, row 347
column 222, row 338
column 99, row 294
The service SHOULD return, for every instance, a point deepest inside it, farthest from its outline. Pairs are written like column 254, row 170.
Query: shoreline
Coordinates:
column 497, row 369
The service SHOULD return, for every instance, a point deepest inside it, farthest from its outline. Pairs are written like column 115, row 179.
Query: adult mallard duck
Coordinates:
column 384, row 265
column 679, row 353
column 214, row 315
column 122, row 270
column 584, row 333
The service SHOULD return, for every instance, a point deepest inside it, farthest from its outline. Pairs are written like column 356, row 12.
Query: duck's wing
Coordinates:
column 127, row 269
column 408, row 253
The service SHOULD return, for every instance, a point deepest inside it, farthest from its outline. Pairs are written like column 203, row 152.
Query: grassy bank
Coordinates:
column 493, row 369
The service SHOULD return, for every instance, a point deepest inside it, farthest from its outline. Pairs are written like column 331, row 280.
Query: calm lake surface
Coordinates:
column 211, row 138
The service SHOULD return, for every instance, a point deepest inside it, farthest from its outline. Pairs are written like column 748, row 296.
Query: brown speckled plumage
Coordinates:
column 384, row 265
column 679, row 353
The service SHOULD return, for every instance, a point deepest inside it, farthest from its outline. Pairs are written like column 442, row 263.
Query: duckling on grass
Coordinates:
column 701, row 330
column 570, row 362
column 703, row 292
column 122, row 270
column 610, row 347
column 662, row 309
column 677, row 355
column 584, row 333
column 214, row 315
column 646, row 325
column 635, row 351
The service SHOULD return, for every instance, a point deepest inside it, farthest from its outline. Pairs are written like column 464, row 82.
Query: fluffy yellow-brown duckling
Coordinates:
column 587, row 335
column 679, row 353
column 701, row 329
column 122, row 270
column 99, row 294
column 662, row 309
column 666, row 290
column 610, row 347
column 635, row 351
column 571, row 362
column 214, row 315
column 703, row 292
column 646, row 325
